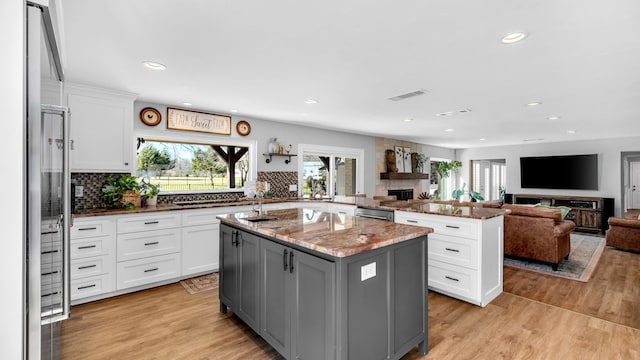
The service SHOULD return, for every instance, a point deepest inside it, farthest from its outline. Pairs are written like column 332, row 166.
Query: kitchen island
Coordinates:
column 319, row 285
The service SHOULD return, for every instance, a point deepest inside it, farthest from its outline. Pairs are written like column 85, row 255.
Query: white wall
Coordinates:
column 609, row 164
column 263, row 130
column 12, row 221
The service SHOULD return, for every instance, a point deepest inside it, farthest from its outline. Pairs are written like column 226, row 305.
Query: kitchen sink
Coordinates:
column 259, row 218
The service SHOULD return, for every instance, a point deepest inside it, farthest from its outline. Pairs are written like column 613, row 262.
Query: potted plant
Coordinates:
column 123, row 192
column 149, row 193
column 268, row 194
column 420, row 160
column 474, row 195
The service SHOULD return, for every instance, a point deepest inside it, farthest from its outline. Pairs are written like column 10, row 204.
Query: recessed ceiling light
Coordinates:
column 553, row 118
column 449, row 130
column 482, row 139
column 512, row 38
column 234, row 110
column 535, row 103
column 154, row 65
column 187, row 104
column 445, row 113
column 311, row 101
column 571, row 131
column 408, row 120
column 464, row 110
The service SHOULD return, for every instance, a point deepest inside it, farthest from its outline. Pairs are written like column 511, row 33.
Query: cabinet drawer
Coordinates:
column 91, row 247
column 149, row 270
column 411, row 219
column 157, row 221
column 90, row 286
column 199, row 217
column 453, row 250
column 450, row 225
column 94, row 227
column 82, row 268
column 453, row 279
column 147, row 244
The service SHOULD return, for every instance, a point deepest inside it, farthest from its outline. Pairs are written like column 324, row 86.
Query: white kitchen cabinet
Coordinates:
column 92, row 252
column 148, row 248
column 313, row 205
column 465, row 255
column 200, row 241
column 101, row 129
column 342, row 209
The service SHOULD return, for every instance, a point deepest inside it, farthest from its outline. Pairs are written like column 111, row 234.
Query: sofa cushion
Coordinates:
column 523, row 210
column 564, row 210
column 630, row 223
column 563, row 227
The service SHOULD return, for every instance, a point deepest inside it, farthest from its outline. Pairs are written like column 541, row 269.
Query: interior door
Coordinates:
column 634, row 184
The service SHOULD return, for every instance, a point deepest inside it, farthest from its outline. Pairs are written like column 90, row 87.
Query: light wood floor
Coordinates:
column 536, row 317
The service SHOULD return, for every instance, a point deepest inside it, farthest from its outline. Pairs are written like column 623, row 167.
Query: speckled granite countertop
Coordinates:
column 475, row 212
column 332, row 234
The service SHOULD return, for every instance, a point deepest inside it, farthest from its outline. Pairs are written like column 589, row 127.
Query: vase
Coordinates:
column 152, row 201
column 390, row 160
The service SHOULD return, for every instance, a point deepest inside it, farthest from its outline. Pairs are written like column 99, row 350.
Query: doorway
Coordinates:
column 489, row 178
column 630, row 187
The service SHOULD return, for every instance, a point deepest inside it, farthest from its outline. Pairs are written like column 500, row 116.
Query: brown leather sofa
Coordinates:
column 537, row 233
column 624, row 233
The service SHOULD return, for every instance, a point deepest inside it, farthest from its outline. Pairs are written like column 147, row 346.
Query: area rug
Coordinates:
column 583, row 259
column 199, row 284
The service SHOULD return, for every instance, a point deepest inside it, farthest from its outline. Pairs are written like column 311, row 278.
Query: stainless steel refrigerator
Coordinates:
column 49, row 188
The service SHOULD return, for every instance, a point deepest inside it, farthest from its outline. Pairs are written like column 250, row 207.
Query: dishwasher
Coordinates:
column 371, row 213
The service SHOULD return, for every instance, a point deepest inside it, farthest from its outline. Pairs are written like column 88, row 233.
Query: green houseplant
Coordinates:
column 123, row 192
column 149, row 192
column 457, row 194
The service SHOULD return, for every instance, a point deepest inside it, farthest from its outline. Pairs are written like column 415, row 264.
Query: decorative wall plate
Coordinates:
column 243, row 128
column 150, row 116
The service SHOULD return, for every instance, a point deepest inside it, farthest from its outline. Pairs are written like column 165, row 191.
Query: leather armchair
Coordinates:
column 537, row 233
column 624, row 233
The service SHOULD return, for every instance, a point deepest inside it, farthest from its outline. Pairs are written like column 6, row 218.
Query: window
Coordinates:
column 193, row 166
column 329, row 171
column 489, row 178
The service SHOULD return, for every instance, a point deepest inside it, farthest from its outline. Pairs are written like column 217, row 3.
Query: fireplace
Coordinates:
column 403, row 194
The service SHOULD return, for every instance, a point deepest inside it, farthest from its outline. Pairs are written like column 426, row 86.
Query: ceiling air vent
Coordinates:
column 409, row 95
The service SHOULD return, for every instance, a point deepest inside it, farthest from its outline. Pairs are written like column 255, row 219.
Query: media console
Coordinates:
column 589, row 213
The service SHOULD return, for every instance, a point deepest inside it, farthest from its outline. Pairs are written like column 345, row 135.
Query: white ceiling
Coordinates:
column 581, row 59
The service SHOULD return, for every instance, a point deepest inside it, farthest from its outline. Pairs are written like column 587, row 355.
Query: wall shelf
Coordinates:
column 403, row 176
column 270, row 155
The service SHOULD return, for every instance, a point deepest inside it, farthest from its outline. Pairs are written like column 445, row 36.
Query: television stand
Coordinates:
column 590, row 214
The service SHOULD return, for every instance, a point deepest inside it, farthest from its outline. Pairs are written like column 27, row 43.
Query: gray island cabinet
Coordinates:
column 326, row 286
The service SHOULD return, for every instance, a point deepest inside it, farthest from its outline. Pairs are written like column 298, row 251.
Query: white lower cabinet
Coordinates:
column 149, row 247
column 465, row 255
column 92, row 252
column 200, row 241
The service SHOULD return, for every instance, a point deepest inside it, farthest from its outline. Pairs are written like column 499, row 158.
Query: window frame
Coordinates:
column 200, row 139
column 332, row 152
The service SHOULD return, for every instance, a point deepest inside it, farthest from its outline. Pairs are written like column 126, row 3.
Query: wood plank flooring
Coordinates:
column 536, row 317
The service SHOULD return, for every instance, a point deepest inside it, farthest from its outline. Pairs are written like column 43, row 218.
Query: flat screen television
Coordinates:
column 573, row 172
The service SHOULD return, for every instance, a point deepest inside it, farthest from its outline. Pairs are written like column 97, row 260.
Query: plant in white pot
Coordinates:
column 149, row 193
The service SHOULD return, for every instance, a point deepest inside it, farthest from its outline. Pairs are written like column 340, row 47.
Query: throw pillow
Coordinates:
column 564, row 210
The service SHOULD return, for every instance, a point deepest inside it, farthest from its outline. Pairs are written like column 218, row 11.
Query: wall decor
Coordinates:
column 150, row 116
column 189, row 120
column 399, row 150
column 243, row 128
column 407, row 159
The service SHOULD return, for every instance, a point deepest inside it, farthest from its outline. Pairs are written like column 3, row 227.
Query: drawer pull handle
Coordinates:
column 86, row 247
column 151, row 222
column 412, row 221
column 50, row 252
column 450, row 278
column 86, row 287
column 89, row 228
column 452, row 227
column 150, row 270
column 453, row 250
column 49, row 273
column 342, row 212
column 86, row 267
column 152, row 243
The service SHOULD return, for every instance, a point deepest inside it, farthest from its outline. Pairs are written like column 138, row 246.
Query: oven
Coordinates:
column 379, row 214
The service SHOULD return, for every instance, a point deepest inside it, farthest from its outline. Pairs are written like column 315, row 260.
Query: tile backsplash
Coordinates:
column 92, row 183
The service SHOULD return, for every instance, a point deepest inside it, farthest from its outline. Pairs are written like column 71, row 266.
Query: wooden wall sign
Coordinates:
column 178, row 119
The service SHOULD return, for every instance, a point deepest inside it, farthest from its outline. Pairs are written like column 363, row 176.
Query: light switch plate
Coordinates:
column 368, row 271
column 79, row 191
column 293, row 187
